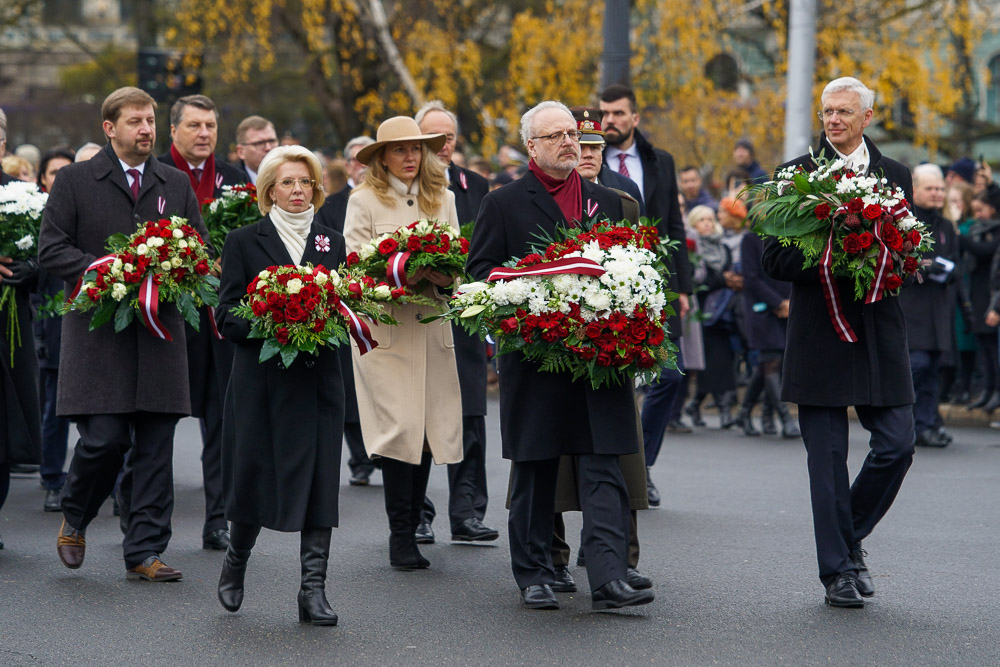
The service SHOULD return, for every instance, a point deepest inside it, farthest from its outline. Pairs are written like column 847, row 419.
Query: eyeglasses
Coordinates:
column 305, row 183
column 558, row 137
column 827, row 114
column 263, row 143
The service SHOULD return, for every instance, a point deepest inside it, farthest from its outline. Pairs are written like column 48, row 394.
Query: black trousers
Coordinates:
column 605, row 503
column 147, row 492
column 55, row 433
column 358, row 460
column 925, row 368
column 845, row 513
column 467, row 493
column 561, row 550
column 211, row 456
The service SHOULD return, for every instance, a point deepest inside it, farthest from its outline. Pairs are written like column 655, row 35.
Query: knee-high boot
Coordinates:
column 420, row 475
column 315, row 554
column 242, row 537
column 693, row 409
column 754, row 388
column 397, row 482
column 772, row 384
column 726, row 402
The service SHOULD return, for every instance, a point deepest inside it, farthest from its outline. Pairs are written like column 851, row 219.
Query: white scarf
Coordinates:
column 293, row 228
column 402, row 190
column 858, row 159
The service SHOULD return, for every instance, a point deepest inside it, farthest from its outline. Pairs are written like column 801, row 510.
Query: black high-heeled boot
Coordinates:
column 242, row 537
column 754, row 388
column 315, row 554
column 693, row 410
column 397, row 481
column 420, row 475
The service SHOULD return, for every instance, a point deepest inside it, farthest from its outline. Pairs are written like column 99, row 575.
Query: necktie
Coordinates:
column 622, row 169
column 197, row 175
column 134, row 173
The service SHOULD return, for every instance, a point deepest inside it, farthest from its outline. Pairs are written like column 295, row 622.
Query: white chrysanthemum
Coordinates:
column 25, row 242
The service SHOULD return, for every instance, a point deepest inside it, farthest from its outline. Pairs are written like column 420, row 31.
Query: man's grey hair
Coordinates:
column 360, row 142
column 927, row 170
column 202, row 102
column 435, row 105
column 527, row 120
column 84, row 151
column 866, row 94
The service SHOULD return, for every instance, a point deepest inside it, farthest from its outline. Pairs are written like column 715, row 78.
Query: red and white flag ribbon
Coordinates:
column 149, row 305
column 832, row 294
column 218, row 180
column 591, row 208
column 579, row 265
column 161, row 204
column 100, row 261
column 883, row 262
column 463, row 181
column 359, row 331
column 395, row 269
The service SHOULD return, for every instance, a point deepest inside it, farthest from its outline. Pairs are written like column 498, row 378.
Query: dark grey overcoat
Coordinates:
column 101, row 372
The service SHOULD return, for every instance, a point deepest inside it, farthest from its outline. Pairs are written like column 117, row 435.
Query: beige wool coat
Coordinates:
column 407, row 387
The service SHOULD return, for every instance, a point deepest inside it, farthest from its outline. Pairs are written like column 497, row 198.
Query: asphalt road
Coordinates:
column 730, row 551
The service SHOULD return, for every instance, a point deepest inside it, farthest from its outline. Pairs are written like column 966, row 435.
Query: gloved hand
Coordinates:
column 21, row 272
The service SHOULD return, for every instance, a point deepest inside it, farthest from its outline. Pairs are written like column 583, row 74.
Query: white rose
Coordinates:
column 176, row 262
column 141, row 250
column 166, row 266
column 182, row 244
column 178, row 234
column 117, row 264
column 118, row 291
column 263, row 275
column 382, row 292
column 366, row 251
column 155, row 242
column 335, row 279
column 320, row 279
column 129, row 268
column 294, row 286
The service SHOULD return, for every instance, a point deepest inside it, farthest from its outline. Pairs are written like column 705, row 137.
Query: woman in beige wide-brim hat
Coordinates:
column 408, row 393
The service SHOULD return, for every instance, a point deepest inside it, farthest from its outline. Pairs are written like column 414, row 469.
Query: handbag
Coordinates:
column 716, row 305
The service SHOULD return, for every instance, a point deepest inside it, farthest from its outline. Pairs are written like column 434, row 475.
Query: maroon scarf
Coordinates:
column 568, row 193
column 204, row 189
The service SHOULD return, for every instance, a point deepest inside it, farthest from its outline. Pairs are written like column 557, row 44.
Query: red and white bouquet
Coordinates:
column 165, row 261
column 236, row 207
column 593, row 303
column 850, row 225
column 302, row 308
column 396, row 256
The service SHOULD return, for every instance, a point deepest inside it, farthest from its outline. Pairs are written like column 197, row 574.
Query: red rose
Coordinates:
column 856, row 205
column 464, row 246
column 914, row 237
column 353, row 259
column 822, row 212
column 604, row 359
column 646, row 360
column 398, row 293
column 388, row 246
column 294, row 313
column 282, row 335
column 355, row 290
column 895, row 242
column 259, row 308
column 93, row 294
column 893, row 282
column 509, row 325
column 852, row 243
column 278, row 316
column 873, row 212
column 692, row 245
column 639, row 330
column 179, row 274
column 550, row 336
column 368, row 281
column 319, row 326
column 201, row 268
column 413, row 244
column 866, row 239
column 910, row 264
column 594, row 330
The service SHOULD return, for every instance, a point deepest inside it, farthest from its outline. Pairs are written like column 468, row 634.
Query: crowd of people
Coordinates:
column 745, row 317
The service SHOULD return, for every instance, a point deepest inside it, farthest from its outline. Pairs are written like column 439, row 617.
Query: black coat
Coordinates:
column 470, row 352
column 981, row 242
column 610, row 178
column 333, row 211
column 929, row 306
column 282, row 430
column 764, row 330
column 21, row 436
column 819, row 368
column 659, row 190
column 545, row 415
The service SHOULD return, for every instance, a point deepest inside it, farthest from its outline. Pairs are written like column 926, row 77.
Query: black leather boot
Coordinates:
column 993, row 403
column 419, row 474
column 726, row 402
column 693, row 409
column 315, row 553
column 397, row 480
column 234, row 567
column 745, row 420
column 789, row 428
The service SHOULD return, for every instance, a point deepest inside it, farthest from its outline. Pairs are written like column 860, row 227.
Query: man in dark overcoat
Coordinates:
column 125, row 390
column 546, row 415
column 652, row 169
column 929, row 305
column 255, row 137
column 824, row 375
column 467, row 492
column 194, row 133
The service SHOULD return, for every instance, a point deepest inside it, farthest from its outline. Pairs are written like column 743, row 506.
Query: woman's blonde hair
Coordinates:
column 702, row 211
column 432, row 179
column 267, row 174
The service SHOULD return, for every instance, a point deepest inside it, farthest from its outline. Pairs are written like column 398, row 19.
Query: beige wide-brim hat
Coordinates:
column 400, row 128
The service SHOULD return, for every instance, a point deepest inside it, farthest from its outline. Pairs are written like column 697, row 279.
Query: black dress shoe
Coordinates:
column 677, row 426
column 473, row 530
column 616, row 594
column 930, row 438
column 945, row 435
column 1, row 543
column 424, row 534
column 637, row 580
column 564, row 582
column 360, row 477
column 23, row 469
column 652, row 493
column 580, row 560
column 51, row 503
column 539, row 596
column 217, row 539
column 843, row 592
column 864, row 579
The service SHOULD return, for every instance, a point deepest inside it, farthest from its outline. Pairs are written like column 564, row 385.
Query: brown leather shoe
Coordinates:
column 71, row 546
column 154, row 569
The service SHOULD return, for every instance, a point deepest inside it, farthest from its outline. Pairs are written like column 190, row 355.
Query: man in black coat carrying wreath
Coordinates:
column 824, row 375
column 546, row 415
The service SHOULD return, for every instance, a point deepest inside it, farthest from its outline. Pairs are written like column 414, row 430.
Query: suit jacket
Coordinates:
column 610, row 178
column 546, row 415
column 819, row 368
column 333, row 211
column 659, row 187
column 929, row 306
column 283, row 427
column 101, row 372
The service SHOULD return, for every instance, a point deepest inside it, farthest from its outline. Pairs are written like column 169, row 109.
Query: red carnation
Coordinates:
column 529, row 260
column 856, row 205
column 911, row 264
column 431, row 248
column 852, row 243
column 822, row 212
column 588, row 353
column 873, row 212
column 388, row 246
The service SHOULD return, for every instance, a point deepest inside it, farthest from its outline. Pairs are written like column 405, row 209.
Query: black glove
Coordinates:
column 24, row 271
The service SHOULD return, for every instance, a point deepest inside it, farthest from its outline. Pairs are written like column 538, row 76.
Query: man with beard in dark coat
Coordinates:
column 824, row 374
column 546, row 415
column 630, row 154
column 467, row 493
column 929, row 306
column 194, row 131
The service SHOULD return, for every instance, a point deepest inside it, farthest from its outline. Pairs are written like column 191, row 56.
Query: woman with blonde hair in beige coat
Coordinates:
column 408, row 392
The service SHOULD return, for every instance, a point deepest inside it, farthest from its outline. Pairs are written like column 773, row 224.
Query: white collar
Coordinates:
column 200, row 165
column 141, row 168
column 401, row 188
column 252, row 174
column 858, row 160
